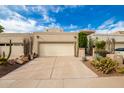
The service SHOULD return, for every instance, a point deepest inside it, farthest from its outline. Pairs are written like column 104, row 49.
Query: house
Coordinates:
column 53, row 42
column 117, row 35
column 118, row 32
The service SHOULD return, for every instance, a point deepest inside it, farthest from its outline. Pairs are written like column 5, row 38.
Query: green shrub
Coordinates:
column 105, row 65
column 82, row 40
column 100, row 44
column 101, row 52
column 100, row 48
column 120, row 70
column 3, row 61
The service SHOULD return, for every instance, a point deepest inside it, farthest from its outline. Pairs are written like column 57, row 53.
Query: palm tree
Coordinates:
column 1, row 28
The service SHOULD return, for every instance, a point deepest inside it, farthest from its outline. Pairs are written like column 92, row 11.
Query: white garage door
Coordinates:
column 119, row 46
column 56, row 49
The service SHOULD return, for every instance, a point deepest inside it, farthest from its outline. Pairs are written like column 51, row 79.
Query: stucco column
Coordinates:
column 35, row 45
column 77, row 48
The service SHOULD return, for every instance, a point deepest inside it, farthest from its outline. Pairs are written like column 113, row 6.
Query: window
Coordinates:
column 2, row 44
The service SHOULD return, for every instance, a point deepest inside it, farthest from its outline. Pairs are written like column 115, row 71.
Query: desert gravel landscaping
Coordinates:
column 99, row 73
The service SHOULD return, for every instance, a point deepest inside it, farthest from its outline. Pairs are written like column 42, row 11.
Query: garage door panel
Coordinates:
column 119, row 46
column 56, row 49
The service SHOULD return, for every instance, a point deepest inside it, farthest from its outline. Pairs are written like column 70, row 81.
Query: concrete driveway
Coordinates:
column 56, row 72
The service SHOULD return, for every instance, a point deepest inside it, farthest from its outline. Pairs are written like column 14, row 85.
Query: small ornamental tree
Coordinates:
column 82, row 40
column 100, row 45
column 100, row 48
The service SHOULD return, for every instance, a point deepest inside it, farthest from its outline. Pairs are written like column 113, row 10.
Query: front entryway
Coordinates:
column 56, row 49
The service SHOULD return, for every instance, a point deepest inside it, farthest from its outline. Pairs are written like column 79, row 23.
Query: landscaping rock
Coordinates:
column 119, row 59
column 12, row 61
column 21, row 57
column 19, row 61
column 90, row 58
column 35, row 55
column 25, row 59
column 31, row 57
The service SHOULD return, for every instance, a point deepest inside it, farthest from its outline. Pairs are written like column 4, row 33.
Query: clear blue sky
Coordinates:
column 69, row 18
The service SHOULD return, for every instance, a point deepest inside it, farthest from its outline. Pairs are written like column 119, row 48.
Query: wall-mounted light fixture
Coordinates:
column 38, row 37
column 75, row 37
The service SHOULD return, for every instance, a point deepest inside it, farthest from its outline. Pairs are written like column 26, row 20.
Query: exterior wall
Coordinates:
column 118, row 32
column 17, row 41
column 40, row 37
column 55, row 37
column 14, row 53
column 54, row 30
column 81, row 52
column 15, row 37
column 119, row 38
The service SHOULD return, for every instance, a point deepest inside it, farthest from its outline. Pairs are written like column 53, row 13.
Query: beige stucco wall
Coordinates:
column 16, row 38
column 55, row 37
column 54, row 30
column 119, row 38
column 16, row 51
column 81, row 52
column 39, row 37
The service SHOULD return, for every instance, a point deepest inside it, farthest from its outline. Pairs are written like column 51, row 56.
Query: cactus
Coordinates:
column 3, row 54
column 3, row 59
column 31, row 45
column 108, row 45
column 28, row 46
column 10, row 50
column 113, row 45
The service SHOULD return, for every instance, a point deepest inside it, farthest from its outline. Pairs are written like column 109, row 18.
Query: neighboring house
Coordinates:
column 118, row 36
column 17, row 43
column 50, row 43
column 118, row 32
